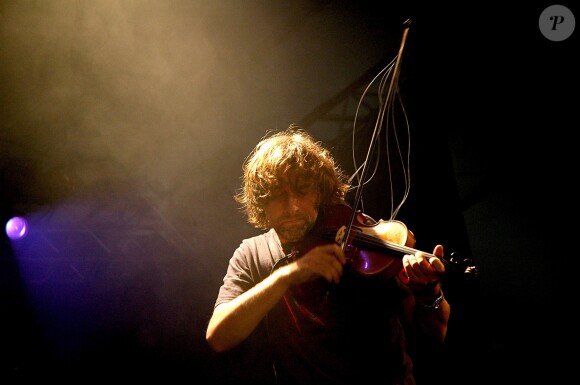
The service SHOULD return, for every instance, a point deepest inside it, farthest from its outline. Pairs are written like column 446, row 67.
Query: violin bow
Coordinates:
column 376, row 132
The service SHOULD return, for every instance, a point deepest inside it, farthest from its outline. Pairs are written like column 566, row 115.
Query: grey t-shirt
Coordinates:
column 322, row 333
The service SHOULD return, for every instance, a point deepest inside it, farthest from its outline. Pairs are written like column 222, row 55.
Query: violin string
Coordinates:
column 378, row 243
column 372, row 241
column 375, row 243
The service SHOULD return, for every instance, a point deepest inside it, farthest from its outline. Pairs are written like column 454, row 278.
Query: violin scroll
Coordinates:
column 464, row 265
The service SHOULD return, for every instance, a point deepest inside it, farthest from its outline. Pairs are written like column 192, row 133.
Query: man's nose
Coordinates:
column 292, row 201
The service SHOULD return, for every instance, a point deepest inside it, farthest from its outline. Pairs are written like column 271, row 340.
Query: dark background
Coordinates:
column 123, row 127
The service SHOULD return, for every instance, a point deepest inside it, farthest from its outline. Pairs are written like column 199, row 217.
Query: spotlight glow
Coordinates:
column 16, row 228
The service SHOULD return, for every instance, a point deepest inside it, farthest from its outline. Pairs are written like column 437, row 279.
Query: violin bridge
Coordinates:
column 339, row 237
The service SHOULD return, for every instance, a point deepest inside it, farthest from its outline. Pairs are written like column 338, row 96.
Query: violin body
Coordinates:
column 374, row 247
column 365, row 248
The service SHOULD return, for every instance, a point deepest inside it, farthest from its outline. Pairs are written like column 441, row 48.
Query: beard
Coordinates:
column 295, row 232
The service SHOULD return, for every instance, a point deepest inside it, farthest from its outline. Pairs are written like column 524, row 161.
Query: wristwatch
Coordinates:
column 435, row 305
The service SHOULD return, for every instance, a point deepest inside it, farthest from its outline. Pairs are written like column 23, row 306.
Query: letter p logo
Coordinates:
column 557, row 22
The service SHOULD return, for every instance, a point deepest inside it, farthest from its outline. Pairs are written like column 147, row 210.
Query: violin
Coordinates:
column 376, row 247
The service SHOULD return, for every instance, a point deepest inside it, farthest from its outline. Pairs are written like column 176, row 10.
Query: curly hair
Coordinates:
column 290, row 151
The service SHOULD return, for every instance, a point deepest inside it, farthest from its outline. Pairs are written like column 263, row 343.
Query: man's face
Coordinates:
column 293, row 208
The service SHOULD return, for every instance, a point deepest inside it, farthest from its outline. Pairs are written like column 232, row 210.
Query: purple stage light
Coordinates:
column 16, row 228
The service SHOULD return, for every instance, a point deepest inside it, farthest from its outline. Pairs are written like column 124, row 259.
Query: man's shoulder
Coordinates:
column 267, row 239
column 264, row 247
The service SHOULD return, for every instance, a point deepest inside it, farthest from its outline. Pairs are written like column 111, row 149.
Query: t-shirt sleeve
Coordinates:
column 244, row 270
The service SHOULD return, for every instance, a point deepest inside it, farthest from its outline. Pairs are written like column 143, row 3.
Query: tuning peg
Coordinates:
column 469, row 269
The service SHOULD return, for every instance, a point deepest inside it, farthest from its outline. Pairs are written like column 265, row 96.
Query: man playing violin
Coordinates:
column 322, row 322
